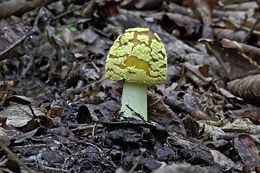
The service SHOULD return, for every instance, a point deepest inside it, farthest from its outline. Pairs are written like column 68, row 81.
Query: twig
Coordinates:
column 241, row 27
column 86, row 127
column 14, row 157
column 133, row 168
column 155, row 102
column 135, row 113
column 251, row 30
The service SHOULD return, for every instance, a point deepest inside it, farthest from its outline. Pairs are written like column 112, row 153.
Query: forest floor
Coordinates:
column 60, row 113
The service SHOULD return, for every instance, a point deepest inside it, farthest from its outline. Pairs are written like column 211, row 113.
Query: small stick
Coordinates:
column 251, row 30
column 241, row 27
column 135, row 113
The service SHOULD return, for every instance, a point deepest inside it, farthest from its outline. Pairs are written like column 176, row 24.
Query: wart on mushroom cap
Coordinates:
column 137, row 56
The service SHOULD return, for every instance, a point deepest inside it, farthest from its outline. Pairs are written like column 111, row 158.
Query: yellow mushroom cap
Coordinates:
column 137, row 56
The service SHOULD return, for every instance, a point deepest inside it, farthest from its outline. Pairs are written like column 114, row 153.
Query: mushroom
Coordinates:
column 139, row 58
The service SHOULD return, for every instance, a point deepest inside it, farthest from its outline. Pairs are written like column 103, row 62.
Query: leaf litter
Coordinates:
column 59, row 113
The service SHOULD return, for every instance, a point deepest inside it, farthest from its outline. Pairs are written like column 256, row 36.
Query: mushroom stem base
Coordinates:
column 134, row 100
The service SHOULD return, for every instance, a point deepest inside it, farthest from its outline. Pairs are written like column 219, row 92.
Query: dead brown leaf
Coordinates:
column 252, row 113
column 162, row 114
column 55, row 111
column 104, row 8
column 180, row 105
column 247, row 87
column 107, row 8
column 242, row 125
column 235, row 58
column 224, row 162
column 247, row 150
column 192, row 151
column 199, row 74
column 11, row 38
column 171, row 21
column 203, row 9
column 221, row 33
column 24, row 118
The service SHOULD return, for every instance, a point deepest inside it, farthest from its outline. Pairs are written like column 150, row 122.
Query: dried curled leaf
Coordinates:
column 247, row 87
column 11, row 38
column 170, row 21
column 235, row 58
column 161, row 113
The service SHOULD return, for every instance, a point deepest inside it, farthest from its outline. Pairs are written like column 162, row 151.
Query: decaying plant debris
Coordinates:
column 59, row 113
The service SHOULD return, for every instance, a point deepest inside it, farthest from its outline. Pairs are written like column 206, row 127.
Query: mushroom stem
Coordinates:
column 134, row 100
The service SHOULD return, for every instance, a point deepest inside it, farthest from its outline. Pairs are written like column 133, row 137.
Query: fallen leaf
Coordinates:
column 182, row 106
column 224, row 162
column 247, row 150
column 21, row 116
column 88, row 36
column 235, row 58
column 221, row 33
column 210, row 132
column 191, row 151
column 199, row 74
column 21, row 136
column 204, row 10
column 11, row 38
column 242, row 125
column 67, row 36
column 247, row 87
column 171, row 21
column 251, row 113
column 107, row 8
column 192, row 127
column 104, row 8
column 159, row 112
